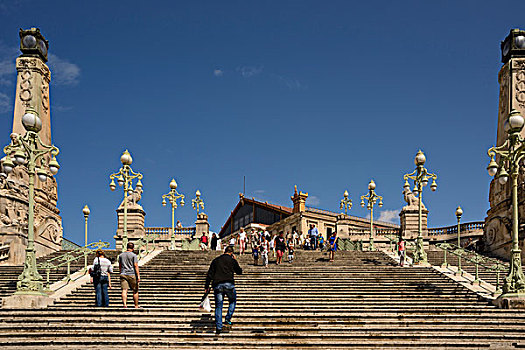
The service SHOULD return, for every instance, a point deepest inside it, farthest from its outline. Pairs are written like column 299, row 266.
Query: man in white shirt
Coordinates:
column 100, row 273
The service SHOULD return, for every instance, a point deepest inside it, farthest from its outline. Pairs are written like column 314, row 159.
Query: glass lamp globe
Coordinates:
column 86, row 210
column 420, row 158
column 459, row 212
column 515, row 120
column 372, row 185
column 519, row 41
column 31, row 121
column 42, row 177
column 125, row 158
column 173, row 184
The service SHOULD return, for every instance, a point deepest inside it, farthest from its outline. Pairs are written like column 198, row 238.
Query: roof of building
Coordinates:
column 244, row 200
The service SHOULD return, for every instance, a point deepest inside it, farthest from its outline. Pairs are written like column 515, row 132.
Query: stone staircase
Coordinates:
column 9, row 273
column 362, row 300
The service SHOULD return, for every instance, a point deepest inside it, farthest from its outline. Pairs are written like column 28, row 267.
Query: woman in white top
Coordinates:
column 100, row 273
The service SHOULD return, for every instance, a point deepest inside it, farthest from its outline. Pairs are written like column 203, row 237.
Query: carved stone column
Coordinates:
column 511, row 78
column 32, row 90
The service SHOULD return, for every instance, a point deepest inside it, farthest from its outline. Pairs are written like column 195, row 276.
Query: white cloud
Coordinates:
column 249, row 71
column 259, row 191
column 5, row 106
column 389, row 216
column 218, row 72
column 7, row 72
column 291, row 83
column 313, row 200
column 63, row 72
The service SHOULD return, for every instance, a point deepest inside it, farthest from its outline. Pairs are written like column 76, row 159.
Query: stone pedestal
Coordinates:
column 510, row 301
column 343, row 226
column 201, row 225
column 135, row 225
column 409, row 223
column 24, row 301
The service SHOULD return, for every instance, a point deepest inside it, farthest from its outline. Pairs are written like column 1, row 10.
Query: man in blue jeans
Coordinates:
column 313, row 232
column 220, row 275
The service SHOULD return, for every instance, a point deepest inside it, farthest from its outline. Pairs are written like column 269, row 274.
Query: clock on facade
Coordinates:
column 33, row 43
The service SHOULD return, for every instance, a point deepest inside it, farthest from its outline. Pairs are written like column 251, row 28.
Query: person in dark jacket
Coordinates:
column 220, row 275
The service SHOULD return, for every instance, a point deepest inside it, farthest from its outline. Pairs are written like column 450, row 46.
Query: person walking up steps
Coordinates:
column 100, row 273
column 221, row 276
column 129, row 274
column 264, row 249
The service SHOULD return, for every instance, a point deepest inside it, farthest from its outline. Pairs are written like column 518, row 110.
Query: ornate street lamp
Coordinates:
column 29, row 150
column 372, row 198
column 197, row 203
column 421, row 176
column 86, row 212
column 511, row 154
column 459, row 212
column 125, row 177
column 346, row 203
column 172, row 196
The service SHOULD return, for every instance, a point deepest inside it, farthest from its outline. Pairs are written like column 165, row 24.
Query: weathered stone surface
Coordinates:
column 21, row 301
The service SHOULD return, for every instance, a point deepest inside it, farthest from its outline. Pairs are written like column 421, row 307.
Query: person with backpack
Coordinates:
column 100, row 273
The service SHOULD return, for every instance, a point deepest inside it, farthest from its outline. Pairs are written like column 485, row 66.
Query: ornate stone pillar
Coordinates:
column 201, row 225
column 409, row 217
column 135, row 220
column 511, row 78
column 32, row 90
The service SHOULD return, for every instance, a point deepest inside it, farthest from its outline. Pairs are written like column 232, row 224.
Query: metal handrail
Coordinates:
column 67, row 258
column 486, row 262
column 145, row 241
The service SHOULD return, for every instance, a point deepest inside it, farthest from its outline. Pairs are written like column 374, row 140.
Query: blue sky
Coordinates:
column 322, row 94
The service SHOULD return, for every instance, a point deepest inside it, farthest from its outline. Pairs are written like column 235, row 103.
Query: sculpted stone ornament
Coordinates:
column 411, row 200
column 133, row 199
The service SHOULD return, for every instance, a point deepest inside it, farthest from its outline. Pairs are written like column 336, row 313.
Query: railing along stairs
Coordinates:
column 67, row 258
column 489, row 264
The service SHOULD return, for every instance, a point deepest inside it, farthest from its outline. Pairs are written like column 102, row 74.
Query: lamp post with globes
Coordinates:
column 372, row 198
column 459, row 212
column 172, row 196
column 29, row 150
column 197, row 203
column 125, row 177
column 420, row 176
column 86, row 213
column 346, row 203
column 511, row 154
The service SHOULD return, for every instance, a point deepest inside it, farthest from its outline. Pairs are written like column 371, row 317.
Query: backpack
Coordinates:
column 96, row 272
